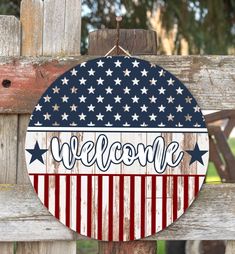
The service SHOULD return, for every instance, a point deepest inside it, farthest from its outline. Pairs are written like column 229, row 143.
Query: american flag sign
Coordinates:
column 117, row 148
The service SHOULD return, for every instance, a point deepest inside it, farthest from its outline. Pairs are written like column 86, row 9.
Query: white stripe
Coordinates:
column 117, row 129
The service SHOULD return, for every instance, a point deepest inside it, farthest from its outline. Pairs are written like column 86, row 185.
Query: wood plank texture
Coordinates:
column 135, row 41
column 230, row 247
column 25, row 219
column 31, row 17
column 211, row 79
column 58, row 247
column 6, row 248
column 8, row 148
column 10, row 36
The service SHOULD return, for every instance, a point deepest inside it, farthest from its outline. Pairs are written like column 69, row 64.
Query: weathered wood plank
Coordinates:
column 136, row 41
column 8, row 148
column 25, row 219
column 31, row 17
column 10, row 36
column 6, row 248
column 22, row 174
column 136, row 247
column 230, row 247
column 58, row 247
column 211, row 79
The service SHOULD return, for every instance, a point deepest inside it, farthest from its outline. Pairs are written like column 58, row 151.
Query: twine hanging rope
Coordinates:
column 117, row 46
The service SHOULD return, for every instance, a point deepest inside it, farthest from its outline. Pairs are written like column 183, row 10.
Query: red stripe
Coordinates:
column 89, row 204
column 99, row 216
column 110, row 208
column 78, row 214
column 132, row 207
column 153, row 216
column 142, row 207
column 57, row 196
column 196, row 184
column 35, row 183
column 175, row 197
column 46, row 190
column 67, row 204
column 185, row 192
column 164, row 200
column 121, row 208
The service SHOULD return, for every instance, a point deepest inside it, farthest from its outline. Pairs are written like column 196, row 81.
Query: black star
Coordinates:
column 196, row 154
column 36, row 153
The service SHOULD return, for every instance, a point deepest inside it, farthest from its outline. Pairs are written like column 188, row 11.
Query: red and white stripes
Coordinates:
column 116, row 207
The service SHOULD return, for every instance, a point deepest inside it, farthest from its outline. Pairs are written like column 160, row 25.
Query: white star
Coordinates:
column 65, row 116
column 179, row 108
column 197, row 125
column 126, row 108
column 47, row 98
column 135, row 82
column 64, row 98
column 126, row 72
column 188, row 99
column 135, row 63
column 82, row 98
column 83, row 64
column 117, row 63
column 161, row 108
column 117, row 99
column 100, row 99
column 91, row 107
column 161, row 125
column 179, row 125
column 152, row 117
column 38, row 107
column 100, row 117
column 73, row 124
column 90, row 124
column 144, row 73
column 153, row 81
column 126, row 124
column 117, row 117
column 135, row 99
column 135, row 117
column 65, row 81
column 47, row 116
column 108, row 108
column 56, row 89
column 56, row 107
column 82, row 116
column 74, row 72
column 109, row 90
column 100, row 81
column 74, row 89
column 170, row 82
column 108, row 124
column 91, row 72
column 170, row 99
column 91, row 90
column 153, row 99
column 82, row 81
column 143, row 124
column 196, row 108
column 126, row 90
column 144, row 90
column 144, row 108
column 73, row 107
column 188, row 118
column 100, row 63
column 109, row 72
column 161, row 73
column 179, row 90
column 161, row 90
column 170, row 117
column 117, row 81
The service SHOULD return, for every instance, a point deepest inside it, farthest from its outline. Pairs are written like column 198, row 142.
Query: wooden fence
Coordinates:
column 36, row 50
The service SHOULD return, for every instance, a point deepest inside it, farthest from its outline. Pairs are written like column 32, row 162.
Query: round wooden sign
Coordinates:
column 117, row 148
